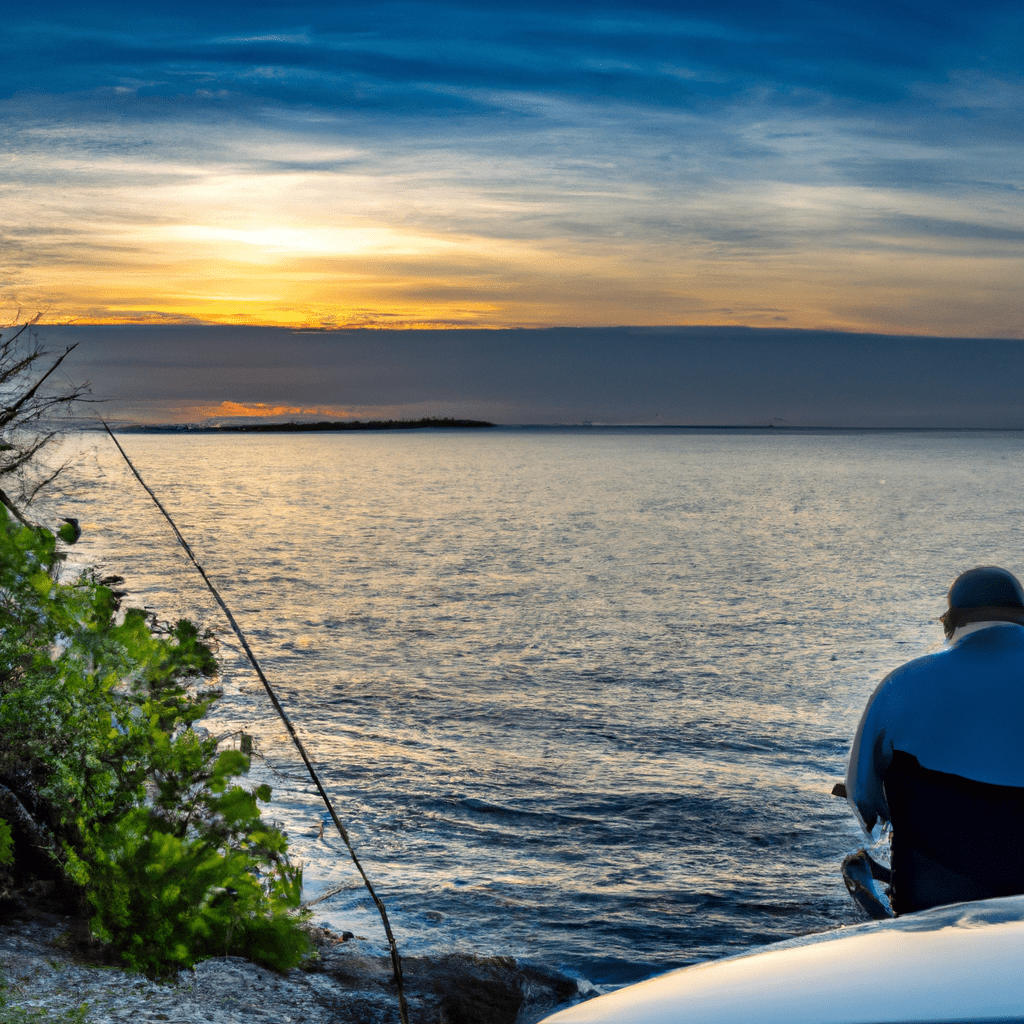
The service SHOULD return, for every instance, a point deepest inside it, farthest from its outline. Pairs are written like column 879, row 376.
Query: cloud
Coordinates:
column 702, row 376
column 226, row 410
column 313, row 53
column 475, row 164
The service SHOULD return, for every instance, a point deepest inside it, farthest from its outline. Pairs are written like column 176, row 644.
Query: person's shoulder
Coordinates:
column 955, row 661
column 926, row 670
column 926, row 664
column 1003, row 635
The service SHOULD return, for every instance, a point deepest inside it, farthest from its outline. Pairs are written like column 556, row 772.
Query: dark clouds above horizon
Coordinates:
column 664, row 376
column 802, row 164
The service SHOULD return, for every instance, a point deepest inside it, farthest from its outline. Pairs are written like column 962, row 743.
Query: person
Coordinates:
column 939, row 754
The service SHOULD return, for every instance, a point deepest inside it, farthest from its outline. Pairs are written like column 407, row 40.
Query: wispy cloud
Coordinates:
column 471, row 164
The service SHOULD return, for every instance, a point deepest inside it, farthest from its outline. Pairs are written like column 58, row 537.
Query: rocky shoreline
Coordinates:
column 51, row 971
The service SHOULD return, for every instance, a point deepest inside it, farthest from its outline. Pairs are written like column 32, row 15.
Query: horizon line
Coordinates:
column 39, row 325
column 331, row 426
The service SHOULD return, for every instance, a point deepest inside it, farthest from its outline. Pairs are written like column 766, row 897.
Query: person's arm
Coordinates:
column 869, row 758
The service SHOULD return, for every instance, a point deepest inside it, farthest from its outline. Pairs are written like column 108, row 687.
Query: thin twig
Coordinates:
column 396, row 960
column 5, row 500
column 11, row 411
column 326, row 896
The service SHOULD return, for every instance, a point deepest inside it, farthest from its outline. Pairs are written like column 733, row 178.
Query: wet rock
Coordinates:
column 49, row 966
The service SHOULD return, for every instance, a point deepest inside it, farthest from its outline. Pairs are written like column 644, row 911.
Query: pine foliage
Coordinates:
column 122, row 792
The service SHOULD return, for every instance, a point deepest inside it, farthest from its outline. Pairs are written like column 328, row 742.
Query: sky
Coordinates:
column 832, row 167
column 697, row 376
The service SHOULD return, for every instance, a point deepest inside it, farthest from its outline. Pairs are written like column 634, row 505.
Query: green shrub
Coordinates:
column 96, row 713
column 6, row 844
column 166, row 895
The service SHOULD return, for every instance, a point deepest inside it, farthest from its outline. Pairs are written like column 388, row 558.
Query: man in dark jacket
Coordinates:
column 939, row 753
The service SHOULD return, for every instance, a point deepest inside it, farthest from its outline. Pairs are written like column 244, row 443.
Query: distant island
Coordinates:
column 446, row 422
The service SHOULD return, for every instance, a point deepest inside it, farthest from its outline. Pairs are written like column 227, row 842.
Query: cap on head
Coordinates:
column 987, row 586
column 984, row 594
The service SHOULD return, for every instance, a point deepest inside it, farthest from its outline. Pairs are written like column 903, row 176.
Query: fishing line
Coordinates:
column 396, row 960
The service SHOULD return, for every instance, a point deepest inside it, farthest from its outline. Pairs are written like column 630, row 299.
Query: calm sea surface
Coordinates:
column 580, row 695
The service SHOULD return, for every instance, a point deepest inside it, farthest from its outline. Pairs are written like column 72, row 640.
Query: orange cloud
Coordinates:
column 237, row 409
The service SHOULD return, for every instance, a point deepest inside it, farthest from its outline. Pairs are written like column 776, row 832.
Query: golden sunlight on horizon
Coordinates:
column 174, row 410
column 944, row 297
column 306, row 250
column 229, row 409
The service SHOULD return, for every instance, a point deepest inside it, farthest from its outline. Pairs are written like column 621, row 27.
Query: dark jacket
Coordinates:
column 939, row 753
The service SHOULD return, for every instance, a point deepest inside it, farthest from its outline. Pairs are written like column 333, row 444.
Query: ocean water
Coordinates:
column 580, row 696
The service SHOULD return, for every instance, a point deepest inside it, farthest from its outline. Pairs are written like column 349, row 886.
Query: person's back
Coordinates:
column 954, row 839
column 939, row 753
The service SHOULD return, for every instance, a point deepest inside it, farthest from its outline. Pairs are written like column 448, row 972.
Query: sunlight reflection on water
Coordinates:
column 581, row 695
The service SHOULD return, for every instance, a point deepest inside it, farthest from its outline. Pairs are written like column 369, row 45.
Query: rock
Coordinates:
column 50, row 966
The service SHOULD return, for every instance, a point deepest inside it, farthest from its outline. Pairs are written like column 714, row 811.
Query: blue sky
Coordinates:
column 405, row 56
column 809, row 165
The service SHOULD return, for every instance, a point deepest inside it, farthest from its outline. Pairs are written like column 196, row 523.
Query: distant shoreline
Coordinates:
column 446, row 423
column 334, row 426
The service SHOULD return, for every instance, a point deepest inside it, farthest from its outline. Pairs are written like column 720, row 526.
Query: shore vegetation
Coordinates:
column 111, row 792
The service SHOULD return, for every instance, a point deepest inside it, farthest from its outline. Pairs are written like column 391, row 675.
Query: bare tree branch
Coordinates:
column 46, row 481
column 12, row 410
column 15, row 511
column 30, row 400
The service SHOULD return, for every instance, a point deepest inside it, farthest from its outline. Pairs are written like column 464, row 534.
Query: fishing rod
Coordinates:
column 396, row 960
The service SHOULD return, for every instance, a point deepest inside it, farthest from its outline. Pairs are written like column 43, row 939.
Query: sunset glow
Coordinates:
column 233, row 410
column 441, row 170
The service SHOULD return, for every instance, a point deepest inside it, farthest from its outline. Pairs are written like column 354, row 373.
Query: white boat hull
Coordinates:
column 957, row 963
